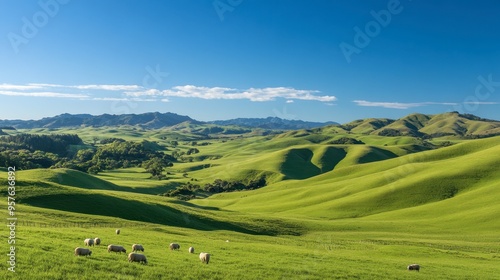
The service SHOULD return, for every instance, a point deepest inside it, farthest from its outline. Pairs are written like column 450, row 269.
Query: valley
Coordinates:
column 354, row 201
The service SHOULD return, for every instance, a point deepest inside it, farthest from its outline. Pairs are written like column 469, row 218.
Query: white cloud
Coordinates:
column 252, row 94
column 43, row 94
column 399, row 105
column 139, row 93
column 148, row 92
column 109, row 99
column 34, row 86
column 107, row 87
column 19, row 87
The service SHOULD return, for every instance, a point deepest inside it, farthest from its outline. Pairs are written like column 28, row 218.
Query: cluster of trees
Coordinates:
column 120, row 154
column 57, row 143
column 28, row 151
column 346, row 140
column 26, row 159
column 189, row 190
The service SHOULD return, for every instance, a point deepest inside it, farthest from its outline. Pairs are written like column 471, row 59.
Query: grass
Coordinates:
column 329, row 212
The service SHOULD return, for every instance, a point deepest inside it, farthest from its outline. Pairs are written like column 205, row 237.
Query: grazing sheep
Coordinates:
column 82, row 251
column 204, row 257
column 174, row 246
column 116, row 248
column 137, row 247
column 88, row 242
column 97, row 241
column 414, row 267
column 191, row 250
column 140, row 258
column 118, row 231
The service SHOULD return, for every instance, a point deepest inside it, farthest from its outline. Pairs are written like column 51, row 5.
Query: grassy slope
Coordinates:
column 356, row 220
column 458, row 173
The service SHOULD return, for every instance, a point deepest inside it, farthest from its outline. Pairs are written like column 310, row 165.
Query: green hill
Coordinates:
column 436, row 177
column 68, row 177
column 329, row 211
column 420, row 125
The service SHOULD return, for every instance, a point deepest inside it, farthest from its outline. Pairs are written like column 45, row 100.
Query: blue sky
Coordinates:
column 310, row 60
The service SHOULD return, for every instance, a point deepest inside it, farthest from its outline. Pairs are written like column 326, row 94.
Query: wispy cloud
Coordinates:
column 399, row 105
column 108, row 87
column 108, row 92
column 44, row 94
column 481, row 103
column 252, row 94
column 19, row 87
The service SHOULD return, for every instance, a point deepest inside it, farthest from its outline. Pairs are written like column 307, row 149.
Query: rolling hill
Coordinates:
column 455, row 178
column 420, row 125
column 341, row 202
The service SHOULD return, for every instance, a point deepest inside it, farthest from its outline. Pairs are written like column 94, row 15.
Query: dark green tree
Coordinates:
column 155, row 166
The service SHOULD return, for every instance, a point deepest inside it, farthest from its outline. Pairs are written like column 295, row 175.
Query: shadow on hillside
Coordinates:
column 297, row 164
column 97, row 204
column 331, row 157
column 188, row 204
column 376, row 154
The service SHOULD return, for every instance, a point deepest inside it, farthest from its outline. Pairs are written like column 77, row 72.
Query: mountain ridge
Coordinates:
column 414, row 125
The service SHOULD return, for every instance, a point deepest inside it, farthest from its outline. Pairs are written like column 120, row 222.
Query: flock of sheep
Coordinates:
column 141, row 258
column 134, row 256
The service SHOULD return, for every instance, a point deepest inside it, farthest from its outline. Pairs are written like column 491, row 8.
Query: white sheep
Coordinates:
column 117, row 231
column 116, row 248
column 174, row 246
column 82, row 251
column 137, row 247
column 88, row 242
column 414, row 267
column 97, row 241
column 191, row 250
column 134, row 257
column 204, row 257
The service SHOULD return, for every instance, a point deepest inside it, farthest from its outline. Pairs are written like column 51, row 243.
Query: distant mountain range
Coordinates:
column 272, row 123
column 416, row 125
column 154, row 121
column 146, row 120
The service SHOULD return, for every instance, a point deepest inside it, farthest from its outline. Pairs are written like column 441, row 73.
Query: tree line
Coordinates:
column 28, row 151
column 189, row 190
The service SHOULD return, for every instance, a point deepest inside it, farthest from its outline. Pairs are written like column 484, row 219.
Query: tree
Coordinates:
column 155, row 166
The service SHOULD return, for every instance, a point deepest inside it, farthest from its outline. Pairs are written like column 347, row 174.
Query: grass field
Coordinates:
column 329, row 212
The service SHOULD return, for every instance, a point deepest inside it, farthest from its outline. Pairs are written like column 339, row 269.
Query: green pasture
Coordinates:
column 328, row 211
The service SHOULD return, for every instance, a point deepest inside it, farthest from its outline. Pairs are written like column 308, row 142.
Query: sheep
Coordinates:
column 174, row 246
column 97, row 241
column 204, row 257
column 191, row 250
column 82, row 251
column 140, row 258
column 116, row 248
column 88, row 242
column 137, row 247
column 117, row 231
column 414, row 267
